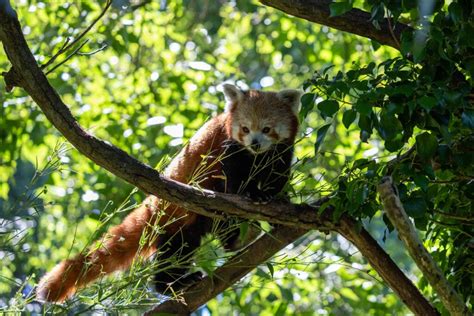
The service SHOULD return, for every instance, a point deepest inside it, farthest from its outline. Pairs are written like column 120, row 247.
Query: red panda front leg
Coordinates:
column 117, row 250
column 175, row 253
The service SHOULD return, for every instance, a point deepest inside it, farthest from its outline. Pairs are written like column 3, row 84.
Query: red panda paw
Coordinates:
column 259, row 197
column 57, row 285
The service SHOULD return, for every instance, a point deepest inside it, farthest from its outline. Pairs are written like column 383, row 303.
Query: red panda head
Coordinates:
column 258, row 119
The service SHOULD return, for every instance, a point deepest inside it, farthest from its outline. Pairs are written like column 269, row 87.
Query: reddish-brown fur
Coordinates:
column 120, row 245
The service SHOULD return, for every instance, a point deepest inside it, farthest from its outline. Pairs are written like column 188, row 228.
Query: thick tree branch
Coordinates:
column 26, row 74
column 355, row 21
column 384, row 265
column 235, row 269
column 399, row 218
column 266, row 246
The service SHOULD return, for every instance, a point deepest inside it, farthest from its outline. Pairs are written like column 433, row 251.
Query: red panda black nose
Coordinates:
column 255, row 145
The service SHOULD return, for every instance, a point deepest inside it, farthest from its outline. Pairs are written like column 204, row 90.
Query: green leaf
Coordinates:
column 467, row 118
column 360, row 163
column 415, row 207
column 326, row 69
column 270, row 268
column 368, row 209
column 427, row 102
column 421, row 223
column 287, row 294
column 419, row 50
column 363, row 107
column 321, row 134
column 453, row 97
column 426, row 145
column 348, row 117
column 339, row 8
column 393, row 145
column 421, row 181
column 349, row 294
column 377, row 13
column 364, row 136
column 282, row 308
column 455, row 12
column 375, row 45
column 365, row 123
column 328, row 107
column 390, row 126
column 360, row 195
column 307, row 104
column 244, row 228
column 406, row 42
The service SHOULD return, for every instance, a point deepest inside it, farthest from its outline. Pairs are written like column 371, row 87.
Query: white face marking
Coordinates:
column 255, row 140
column 283, row 130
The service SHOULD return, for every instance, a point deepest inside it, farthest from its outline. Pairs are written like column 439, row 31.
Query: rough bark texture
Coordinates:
column 354, row 21
column 407, row 232
column 25, row 73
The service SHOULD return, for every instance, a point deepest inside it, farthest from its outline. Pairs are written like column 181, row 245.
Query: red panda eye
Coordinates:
column 246, row 130
column 265, row 130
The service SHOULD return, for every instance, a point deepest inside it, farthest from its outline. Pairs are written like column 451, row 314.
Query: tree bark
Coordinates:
column 406, row 231
column 384, row 265
column 267, row 246
column 354, row 21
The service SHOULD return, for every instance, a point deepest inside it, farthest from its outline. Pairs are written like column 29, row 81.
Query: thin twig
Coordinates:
column 76, row 51
column 391, row 31
column 67, row 46
column 59, row 52
column 456, row 217
column 93, row 52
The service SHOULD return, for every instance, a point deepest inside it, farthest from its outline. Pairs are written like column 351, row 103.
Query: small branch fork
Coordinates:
column 291, row 221
column 407, row 232
column 67, row 46
column 75, row 51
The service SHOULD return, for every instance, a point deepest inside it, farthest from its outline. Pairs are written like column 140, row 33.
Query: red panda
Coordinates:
column 245, row 150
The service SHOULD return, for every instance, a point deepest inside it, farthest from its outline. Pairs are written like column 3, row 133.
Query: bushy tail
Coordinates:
column 117, row 249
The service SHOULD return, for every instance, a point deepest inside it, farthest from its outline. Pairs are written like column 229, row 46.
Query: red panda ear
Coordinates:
column 292, row 97
column 232, row 95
